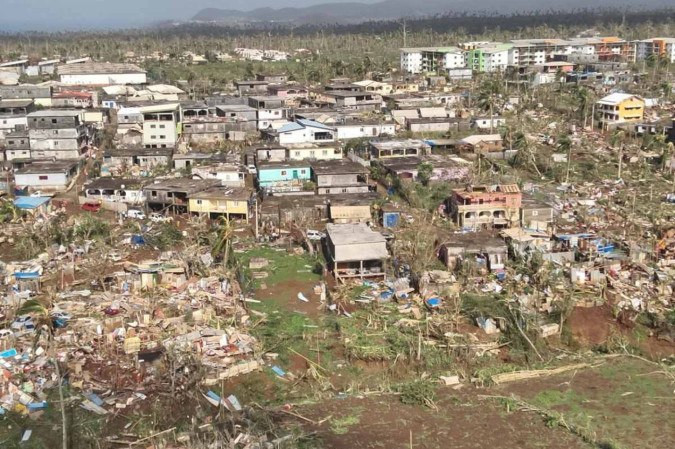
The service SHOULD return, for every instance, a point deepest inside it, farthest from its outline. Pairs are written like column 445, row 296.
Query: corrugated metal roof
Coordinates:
column 31, row 202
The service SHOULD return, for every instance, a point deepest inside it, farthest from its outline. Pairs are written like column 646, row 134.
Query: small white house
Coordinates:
column 361, row 130
column 484, row 122
column 47, row 175
column 305, row 131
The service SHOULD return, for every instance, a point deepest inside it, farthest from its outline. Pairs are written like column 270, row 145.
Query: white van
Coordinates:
column 135, row 213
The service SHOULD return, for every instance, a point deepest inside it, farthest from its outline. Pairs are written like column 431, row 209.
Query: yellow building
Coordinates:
column 619, row 108
column 221, row 201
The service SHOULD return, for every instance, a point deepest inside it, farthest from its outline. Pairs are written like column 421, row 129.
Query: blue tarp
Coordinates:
column 137, row 240
column 8, row 353
column 31, row 202
column 27, row 275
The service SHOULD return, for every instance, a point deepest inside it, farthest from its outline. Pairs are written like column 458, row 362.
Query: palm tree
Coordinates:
column 565, row 145
column 42, row 319
column 583, row 99
column 487, row 98
column 223, row 243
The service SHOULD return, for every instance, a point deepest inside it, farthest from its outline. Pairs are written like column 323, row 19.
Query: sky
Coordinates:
column 53, row 15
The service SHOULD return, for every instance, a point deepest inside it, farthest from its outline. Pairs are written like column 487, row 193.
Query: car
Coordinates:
column 159, row 218
column 135, row 213
column 5, row 333
column 251, row 169
column 315, row 235
column 22, row 323
column 91, row 207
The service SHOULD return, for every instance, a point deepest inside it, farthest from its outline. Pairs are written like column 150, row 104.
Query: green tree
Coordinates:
column 424, row 172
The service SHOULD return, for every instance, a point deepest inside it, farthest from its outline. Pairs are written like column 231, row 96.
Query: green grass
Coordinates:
column 283, row 266
column 340, row 426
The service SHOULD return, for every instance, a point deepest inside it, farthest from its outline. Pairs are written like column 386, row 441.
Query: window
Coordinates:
column 10, row 142
column 126, row 117
column 153, row 126
column 199, row 201
column 162, row 126
column 344, row 190
column 53, row 120
column 297, row 153
column 153, row 137
column 324, row 152
column 24, row 152
column 43, row 177
column 56, row 143
column 235, row 203
column 162, row 137
column 283, row 172
column 303, row 171
column 153, row 193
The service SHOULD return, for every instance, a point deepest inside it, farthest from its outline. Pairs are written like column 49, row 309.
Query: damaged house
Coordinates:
column 339, row 176
column 355, row 251
column 484, row 248
column 487, row 206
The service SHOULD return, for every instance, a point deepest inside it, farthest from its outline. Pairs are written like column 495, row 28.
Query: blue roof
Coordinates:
column 31, row 202
column 305, row 122
column 291, row 127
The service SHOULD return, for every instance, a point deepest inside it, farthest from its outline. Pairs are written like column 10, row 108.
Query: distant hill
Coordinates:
column 353, row 12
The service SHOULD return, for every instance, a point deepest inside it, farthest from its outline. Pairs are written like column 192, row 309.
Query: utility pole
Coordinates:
column 405, row 34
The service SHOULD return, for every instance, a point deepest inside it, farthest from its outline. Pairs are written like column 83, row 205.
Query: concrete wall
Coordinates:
column 53, row 181
column 336, row 180
column 104, row 79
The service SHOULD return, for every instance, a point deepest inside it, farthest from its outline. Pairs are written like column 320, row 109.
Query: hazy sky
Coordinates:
column 52, row 15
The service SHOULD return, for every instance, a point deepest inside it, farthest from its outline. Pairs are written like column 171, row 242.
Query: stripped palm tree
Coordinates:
column 43, row 321
column 223, row 244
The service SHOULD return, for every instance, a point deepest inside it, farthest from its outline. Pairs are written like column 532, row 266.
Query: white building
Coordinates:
column 660, row 46
column 101, row 74
column 431, row 59
column 160, row 125
column 305, row 131
column 359, row 130
column 47, row 175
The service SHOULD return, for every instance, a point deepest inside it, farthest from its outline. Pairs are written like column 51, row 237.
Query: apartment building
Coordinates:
column 431, row 59
column 662, row 47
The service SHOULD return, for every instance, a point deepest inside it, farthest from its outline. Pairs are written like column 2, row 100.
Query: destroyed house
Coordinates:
column 271, row 153
column 482, row 248
column 10, row 108
column 359, row 100
column 339, row 176
column 251, row 86
column 397, row 148
column 487, row 206
column 443, row 168
column 173, row 194
column 355, row 251
column 221, row 201
column 145, row 158
column 117, row 190
column 535, row 214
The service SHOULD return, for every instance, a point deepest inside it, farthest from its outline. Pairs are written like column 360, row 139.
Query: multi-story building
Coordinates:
column 272, row 111
column 161, row 125
column 431, row 59
column 57, row 134
column 478, row 207
column 13, row 115
column 618, row 108
column 488, row 58
column 661, row 47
